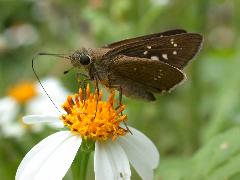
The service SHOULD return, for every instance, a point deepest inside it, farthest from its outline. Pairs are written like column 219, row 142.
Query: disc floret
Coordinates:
column 92, row 118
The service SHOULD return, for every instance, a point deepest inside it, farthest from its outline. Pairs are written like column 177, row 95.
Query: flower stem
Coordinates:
column 84, row 164
column 79, row 167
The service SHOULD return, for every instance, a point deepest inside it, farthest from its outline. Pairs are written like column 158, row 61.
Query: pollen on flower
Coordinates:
column 23, row 92
column 93, row 118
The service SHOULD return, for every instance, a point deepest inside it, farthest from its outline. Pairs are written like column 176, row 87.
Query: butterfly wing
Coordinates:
column 150, row 36
column 155, row 76
column 176, row 50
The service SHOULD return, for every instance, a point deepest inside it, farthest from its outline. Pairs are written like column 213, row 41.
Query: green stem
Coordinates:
column 84, row 164
column 79, row 167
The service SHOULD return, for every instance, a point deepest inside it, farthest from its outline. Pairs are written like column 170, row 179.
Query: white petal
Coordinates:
column 51, row 120
column 33, row 119
column 51, row 158
column 141, row 152
column 38, row 120
column 56, row 125
column 110, row 162
column 8, row 110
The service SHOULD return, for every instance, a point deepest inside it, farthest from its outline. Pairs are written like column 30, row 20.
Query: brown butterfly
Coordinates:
column 141, row 66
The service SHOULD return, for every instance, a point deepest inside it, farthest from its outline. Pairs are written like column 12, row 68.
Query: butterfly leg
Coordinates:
column 119, row 87
column 97, row 89
column 80, row 82
column 96, row 78
column 68, row 70
column 83, row 83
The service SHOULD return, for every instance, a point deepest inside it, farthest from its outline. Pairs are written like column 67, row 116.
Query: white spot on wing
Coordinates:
column 165, row 56
column 154, row 58
column 175, row 45
column 145, row 52
column 159, row 77
column 134, row 69
column 149, row 47
column 155, row 79
column 174, row 52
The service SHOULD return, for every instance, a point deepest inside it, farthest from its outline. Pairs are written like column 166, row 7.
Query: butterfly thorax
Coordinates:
column 100, row 65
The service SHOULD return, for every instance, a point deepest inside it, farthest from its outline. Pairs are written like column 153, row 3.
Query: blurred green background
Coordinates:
column 196, row 127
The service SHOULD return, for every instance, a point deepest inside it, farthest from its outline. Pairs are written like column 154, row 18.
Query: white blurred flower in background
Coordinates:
column 20, row 35
column 160, row 2
column 29, row 97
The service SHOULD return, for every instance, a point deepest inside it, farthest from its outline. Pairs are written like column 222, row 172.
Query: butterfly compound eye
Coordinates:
column 85, row 60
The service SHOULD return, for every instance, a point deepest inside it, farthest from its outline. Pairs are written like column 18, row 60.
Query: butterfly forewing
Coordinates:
column 154, row 75
column 175, row 50
column 150, row 36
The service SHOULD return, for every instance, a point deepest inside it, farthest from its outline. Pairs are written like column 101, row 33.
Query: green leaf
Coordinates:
column 173, row 168
column 219, row 158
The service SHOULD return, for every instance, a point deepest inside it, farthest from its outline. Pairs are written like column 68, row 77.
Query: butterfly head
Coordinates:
column 80, row 58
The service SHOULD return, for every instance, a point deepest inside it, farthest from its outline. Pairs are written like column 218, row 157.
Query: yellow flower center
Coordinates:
column 93, row 118
column 23, row 92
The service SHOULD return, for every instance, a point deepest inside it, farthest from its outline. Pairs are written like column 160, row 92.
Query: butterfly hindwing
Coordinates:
column 154, row 75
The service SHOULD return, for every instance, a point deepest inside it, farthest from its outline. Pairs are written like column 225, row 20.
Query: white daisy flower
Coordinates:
column 32, row 97
column 115, row 147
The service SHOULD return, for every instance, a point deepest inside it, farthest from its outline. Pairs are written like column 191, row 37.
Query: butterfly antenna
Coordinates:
column 35, row 73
